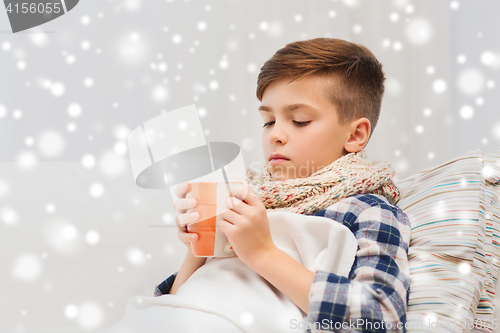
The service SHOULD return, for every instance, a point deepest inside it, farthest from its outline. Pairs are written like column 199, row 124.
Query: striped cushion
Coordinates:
column 486, row 308
column 447, row 260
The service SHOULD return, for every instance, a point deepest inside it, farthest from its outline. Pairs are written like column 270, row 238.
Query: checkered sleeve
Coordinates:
column 165, row 286
column 375, row 296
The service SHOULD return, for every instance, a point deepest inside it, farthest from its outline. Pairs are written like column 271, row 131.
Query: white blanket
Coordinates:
column 225, row 295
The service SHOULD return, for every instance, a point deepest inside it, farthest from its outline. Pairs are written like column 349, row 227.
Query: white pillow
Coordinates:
column 445, row 205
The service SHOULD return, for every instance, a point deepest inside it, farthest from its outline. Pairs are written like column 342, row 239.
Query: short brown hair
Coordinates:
column 359, row 73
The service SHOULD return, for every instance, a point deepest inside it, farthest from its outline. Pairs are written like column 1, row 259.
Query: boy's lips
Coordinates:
column 275, row 161
column 277, row 156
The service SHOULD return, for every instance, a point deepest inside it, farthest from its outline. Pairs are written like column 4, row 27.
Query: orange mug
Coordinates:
column 211, row 200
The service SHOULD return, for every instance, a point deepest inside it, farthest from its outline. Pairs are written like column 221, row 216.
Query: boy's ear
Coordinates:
column 359, row 132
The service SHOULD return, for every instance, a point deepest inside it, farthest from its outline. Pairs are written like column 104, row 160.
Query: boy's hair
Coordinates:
column 355, row 79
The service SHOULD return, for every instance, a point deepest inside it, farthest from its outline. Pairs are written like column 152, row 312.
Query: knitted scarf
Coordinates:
column 349, row 175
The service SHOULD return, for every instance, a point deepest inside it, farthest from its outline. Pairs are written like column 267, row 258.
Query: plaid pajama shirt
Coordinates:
column 374, row 297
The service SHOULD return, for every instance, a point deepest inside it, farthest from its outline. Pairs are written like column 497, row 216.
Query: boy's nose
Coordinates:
column 278, row 134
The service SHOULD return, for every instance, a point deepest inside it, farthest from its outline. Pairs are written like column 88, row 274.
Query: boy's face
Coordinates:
column 309, row 136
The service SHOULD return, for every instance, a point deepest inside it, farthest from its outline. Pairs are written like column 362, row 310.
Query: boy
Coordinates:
column 321, row 100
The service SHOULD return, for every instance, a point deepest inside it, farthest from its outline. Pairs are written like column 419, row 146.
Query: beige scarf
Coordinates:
column 349, row 175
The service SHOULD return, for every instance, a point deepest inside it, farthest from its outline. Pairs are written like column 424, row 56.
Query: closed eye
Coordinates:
column 298, row 123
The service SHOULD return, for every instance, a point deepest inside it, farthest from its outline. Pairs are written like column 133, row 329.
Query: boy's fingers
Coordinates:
column 181, row 205
column 179, row 226
column 182, row 189
column 187, row 237
column 190, row 217
column 241, row 192
column 245, row 193
column 182, row 220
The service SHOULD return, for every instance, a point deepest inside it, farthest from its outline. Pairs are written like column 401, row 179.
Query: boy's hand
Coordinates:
column 186, row 214
column 246, row 225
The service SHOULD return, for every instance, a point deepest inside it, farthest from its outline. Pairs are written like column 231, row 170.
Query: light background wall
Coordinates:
column 147, row 57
